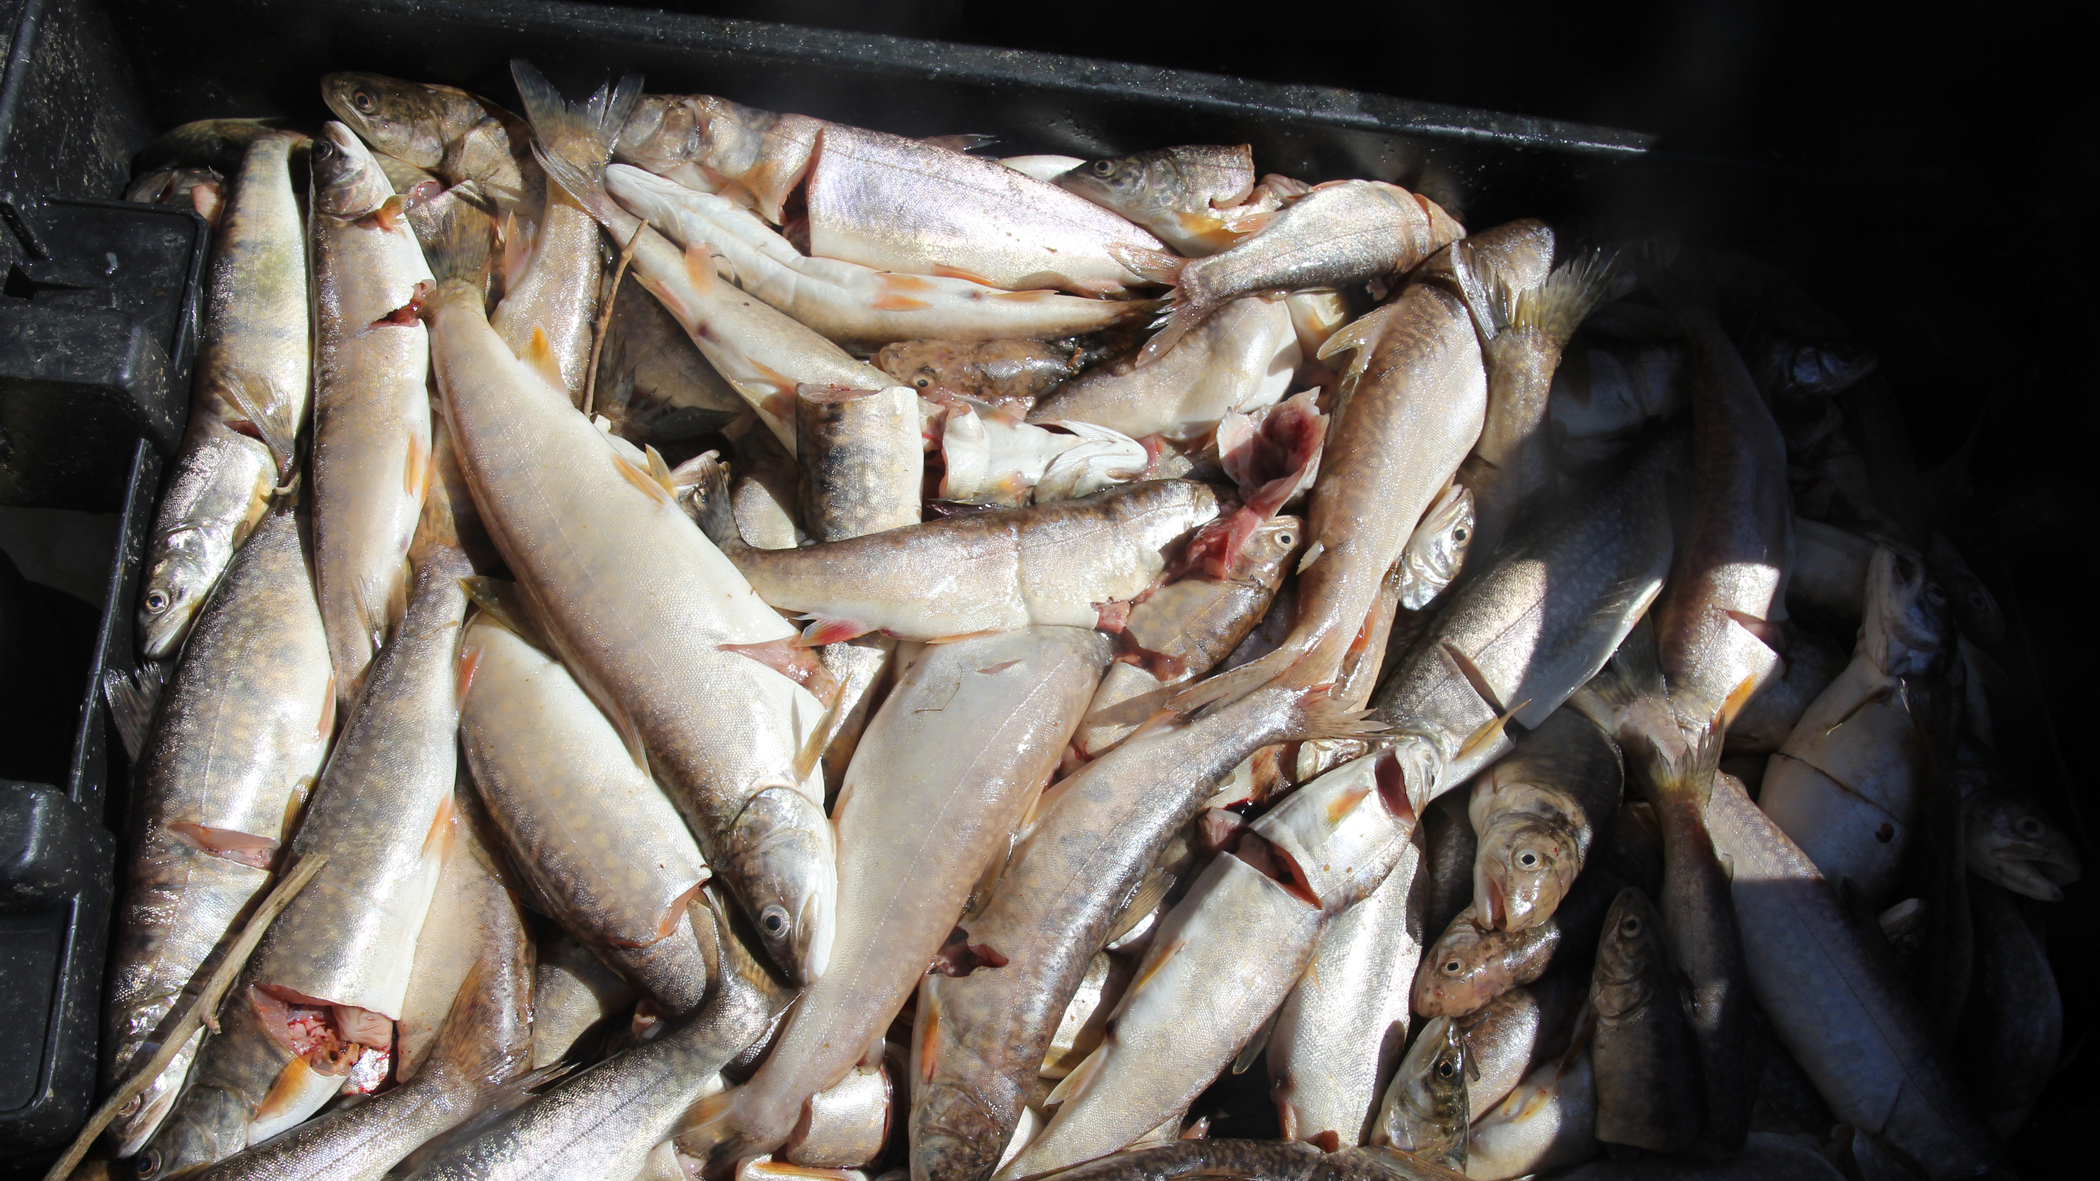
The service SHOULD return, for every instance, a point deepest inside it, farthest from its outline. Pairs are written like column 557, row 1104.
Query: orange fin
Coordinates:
column 825, row 629
column 539, row 354
column 242, row 847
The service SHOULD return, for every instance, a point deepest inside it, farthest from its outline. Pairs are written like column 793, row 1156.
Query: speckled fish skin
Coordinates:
column 371, row 451
column 1241, row 359
column 572, row 992
column 255, row 346
column 980, row 1038
column 1518, row 1031
column 1729, row 580
column 605, row 1121
column 1834, row 788
column 943, row 774
column 1649, row 1093
column 1339, row 1035
column 1536, row 625
column 861, row 460
column 897, row 204
column 484, row 1041
column 472, row 905
column 1425, row 1111
column 600, row 844
column 550, row 296
column 1197, row 998
column 1841, row 1010
column 458, row 136
column 1536, row 812
column 240, row 735
column 1183, row 194
column 640, row 606
column 1197, row 621
column 1470, row 965
column 996, row 571
column 854, row 305
column 1258, row 1160
column 1342, row 233
column 1009, row 374
column 1413, row 413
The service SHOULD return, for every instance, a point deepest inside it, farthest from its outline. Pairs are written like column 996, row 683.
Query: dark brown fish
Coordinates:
column 1009, row 374
column 1647, row 1064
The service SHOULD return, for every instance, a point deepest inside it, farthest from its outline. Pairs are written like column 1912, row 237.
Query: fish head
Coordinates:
column 209, row 1125
column 2011, row 843
column 141, row 1117
column 1425, row 1111
column 1629, row 956
column 784, row 868
column 177, row 583
column 1524, row 866
column 1907, row 628
column 953, row 1133
column 925, row 364
column 1461, row 972
column 1437, row 548
column 1267, row 555
column 406, row 120
column 348, row 182
column 1131, row 185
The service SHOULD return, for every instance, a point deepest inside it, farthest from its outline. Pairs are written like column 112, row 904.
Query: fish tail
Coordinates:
column 132, row 699
column 573, row 141
column 464, row 1041
column 1320, row 715
column 1633, row 674
column 457, row 237
column 435, row 527
column 1574, row 289
column 708, row 1130
column 701, row 487
column 1181, row 316
column 1233, row 684
column 1687, row 772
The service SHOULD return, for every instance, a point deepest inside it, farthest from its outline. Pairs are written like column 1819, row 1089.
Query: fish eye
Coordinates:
column 1528, row 859
column 1632, row 925
column 1445, row 1069
column 131, row 1106
column 1451, row 968
column 1103, row 167
column 1977, row 600
column 156, row 600
column 2030, row 827
column 1286, row 539
column 923, row 382
column 147, row 1164
column 363, row 101
column 773, row 920
column 1459, row 534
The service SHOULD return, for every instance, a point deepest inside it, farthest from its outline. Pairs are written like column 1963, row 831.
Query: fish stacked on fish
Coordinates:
column 793, row 672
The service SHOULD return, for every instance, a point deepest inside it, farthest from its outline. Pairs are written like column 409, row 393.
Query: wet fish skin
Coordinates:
column 600, row 845
column 2010, row 841
column 459, row 136
column 1606, row 391
column 372, row 446
column 1519, row 1031
column 1812, row 662
column 550, row 291
column 1547, row 1121
column 1448, row 829
column 1646, row 1062
column 1194, row 621
column 1437, row 549
column 1047, row 564
column 1258, row 1160
column 916, row 830
column 653, row 383
column 861, row 460
column 1183, row 194
column 1470, row 965
column 1536, row 813
column 1009, row 374
column 1240, row 359
column 1425, row 1110
column 240, row 735
column 254, row 352
column 2012, row 1027
column 1838, row 1007
column 572, row 992
column 1339, row 234
column 980, row 1038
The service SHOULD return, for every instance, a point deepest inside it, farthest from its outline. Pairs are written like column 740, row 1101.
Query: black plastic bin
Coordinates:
column 89, row 81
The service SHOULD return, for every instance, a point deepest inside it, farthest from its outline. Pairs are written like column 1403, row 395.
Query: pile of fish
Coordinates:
column 812, row 653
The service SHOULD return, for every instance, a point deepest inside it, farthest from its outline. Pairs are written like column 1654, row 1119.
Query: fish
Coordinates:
column 1320, row 852
column 1182, row 630
column 552, row 272
column 1829, row 575
column 1049, row 564
column 654, row 385
column 481, row 1044
column 1011, row 375
column 2012, row 1028
column 1259, row 1160
column 241, row 733
column 1437, row 549
column 1545, row 1122
column 1649, row 1093
column 1811, row 663
column 1836, row 1002
column 846, row 1125
column 942, row 776
column 1713, row 632
column 1976, row 610
column 859, row 307
column 1845, row 784
column 1339, row 1034
column 1193, row 197
column 217, row 144
column 979, row 1038
column 716, row 146
column 766, row 492
column 1606, row 392
column 186, row 187
column 573, row 994
column 605, row 1121
column 1418, row 397
column 1518, row 1031
column 599, row 846
column 1532, row 627
column 1085, row 1018
column 590, row 535
column 326, row 984
column 1471, row 964
column 371, row 449
column 1524, row 328
column 1241, row 359
column 763, row 353
column 248, row 397
column 461, row 137
column 861, row 461
column 1042, row 167
column 1425, row 1111
column 1339, row 234
column 1536, row 813
column 989, row 459
column 2011, row 841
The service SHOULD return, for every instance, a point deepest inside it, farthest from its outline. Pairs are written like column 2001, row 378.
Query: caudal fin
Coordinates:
column 1560, row 304
column 132, row 699
column 467, row 1042
column 1322, row 717
column 1681, row 772
column 457, row 237
column 573, row 141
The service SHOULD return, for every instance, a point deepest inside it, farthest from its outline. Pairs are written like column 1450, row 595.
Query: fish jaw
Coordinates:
column 177, row 584
column 1527, row 864
column 784, row 861
column 141, row 1118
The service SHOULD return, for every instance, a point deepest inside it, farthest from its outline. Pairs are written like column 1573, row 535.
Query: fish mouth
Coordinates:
column 2041, row 876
